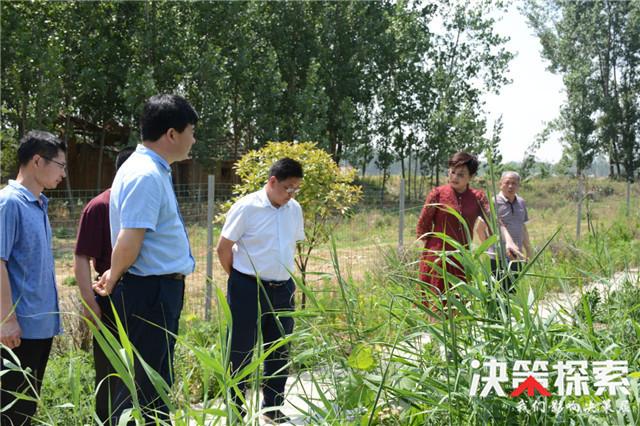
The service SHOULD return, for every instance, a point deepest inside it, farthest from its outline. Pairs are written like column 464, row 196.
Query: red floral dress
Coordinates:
column 470, row 204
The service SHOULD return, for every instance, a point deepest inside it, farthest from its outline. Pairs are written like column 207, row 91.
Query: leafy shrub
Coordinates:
column 326, row 192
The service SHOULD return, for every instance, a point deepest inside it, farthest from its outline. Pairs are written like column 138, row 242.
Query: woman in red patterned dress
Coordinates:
column 470, row 203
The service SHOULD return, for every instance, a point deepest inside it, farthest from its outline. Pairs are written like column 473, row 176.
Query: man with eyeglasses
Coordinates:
column 256, row 248
column 29, row 313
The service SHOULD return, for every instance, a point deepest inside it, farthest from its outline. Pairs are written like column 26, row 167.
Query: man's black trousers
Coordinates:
column 149, row 309
column 254, row 310
column 33, row 354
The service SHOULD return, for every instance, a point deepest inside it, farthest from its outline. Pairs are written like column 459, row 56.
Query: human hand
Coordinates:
column 514, row 253
column 10, row 332
column 105, row 285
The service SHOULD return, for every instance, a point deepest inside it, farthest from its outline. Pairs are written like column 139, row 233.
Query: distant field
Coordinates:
column 363, row 238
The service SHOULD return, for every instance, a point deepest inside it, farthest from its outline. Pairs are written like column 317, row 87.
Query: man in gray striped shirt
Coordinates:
column 512, row 210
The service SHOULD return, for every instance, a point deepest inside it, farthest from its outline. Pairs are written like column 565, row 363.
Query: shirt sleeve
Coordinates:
column 234, row 224
column 89, row 241
column 526, row 212
column 140, row 201
column 425, row 221
column 8, row 228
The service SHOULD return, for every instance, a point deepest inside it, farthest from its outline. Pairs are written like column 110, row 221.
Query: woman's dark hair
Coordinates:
column 164, row 112
column 462, row 158
column 45, row 144
column 285, row 168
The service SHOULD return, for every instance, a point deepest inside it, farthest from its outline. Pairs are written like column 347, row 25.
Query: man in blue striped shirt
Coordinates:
column 29, row 314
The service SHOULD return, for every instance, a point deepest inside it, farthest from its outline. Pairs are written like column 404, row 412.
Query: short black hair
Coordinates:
column 462, row 158
column 45, row 144
column 285, row 168
column 164, row 112
column 123, row 155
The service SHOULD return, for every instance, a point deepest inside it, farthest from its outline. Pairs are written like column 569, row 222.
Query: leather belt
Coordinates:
column 270, row 283
column 175, row 276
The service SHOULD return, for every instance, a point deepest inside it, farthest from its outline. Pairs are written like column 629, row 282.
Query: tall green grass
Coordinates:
column 370, row 353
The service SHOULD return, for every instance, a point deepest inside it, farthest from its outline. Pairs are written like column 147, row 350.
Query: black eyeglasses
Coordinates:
column 63, row 166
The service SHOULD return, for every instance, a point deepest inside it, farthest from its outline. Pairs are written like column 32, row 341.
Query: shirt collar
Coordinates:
column 264, row 199
column 141, row 149
column 466, row 190
column 22, row 190
column 501, row 195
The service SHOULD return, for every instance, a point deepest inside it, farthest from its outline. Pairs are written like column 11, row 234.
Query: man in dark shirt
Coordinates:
column 93, row 245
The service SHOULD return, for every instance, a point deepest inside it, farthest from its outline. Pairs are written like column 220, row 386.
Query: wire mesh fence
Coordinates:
column 361, row 238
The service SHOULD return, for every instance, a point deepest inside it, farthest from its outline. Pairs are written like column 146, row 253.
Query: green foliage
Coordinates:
column 326, row 195
column 526, row 167
column 362, row 79
column 374, row 355
column 195, row 383
column 495, row 166
column 590, row 305
column 67, row 393
column 8, row 154
column 70, row 282
column 595, row 46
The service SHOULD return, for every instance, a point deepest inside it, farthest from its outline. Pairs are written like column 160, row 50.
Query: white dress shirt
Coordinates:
column 265, row 236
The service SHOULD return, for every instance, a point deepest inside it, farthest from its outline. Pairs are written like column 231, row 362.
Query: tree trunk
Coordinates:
column 579, row 214
column 22, row 123
column 416, row 193
column 384, row 183
column 67, row 129
column 432, row 173
column 100, row 158
column 611, row 172
column 408, row 180
column 628, row 212
column 304, row 295
column 236, row 127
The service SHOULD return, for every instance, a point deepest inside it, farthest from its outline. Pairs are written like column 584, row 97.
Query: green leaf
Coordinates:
column 361, row 358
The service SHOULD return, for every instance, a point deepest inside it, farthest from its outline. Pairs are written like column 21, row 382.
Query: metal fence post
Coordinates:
column 401, row 222
column 209, row 284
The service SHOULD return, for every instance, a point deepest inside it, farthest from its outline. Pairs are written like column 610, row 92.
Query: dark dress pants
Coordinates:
column 33, row 354
column 149, row 309
column 105, row 383
column 247, row 300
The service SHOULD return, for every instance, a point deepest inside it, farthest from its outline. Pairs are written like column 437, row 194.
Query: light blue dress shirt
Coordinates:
column 142, row 196
column 26, row 247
